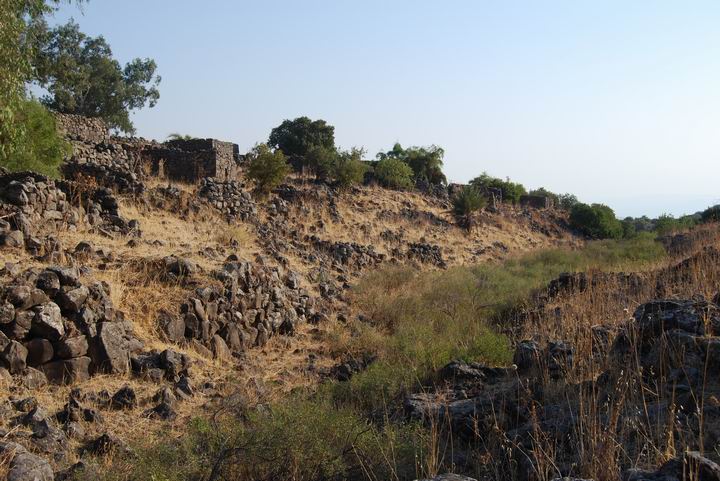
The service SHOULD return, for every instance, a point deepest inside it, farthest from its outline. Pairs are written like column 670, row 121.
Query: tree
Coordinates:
column 468, row 201
column 297, row 137
column 267, row 168
column 82, row 77
column 16, row 53
column 567, row 201
column 394, row 173
column 348, row 169
column 426, row 162
column 596, row 221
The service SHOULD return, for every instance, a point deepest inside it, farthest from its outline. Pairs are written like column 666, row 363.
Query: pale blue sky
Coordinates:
column 615, row 101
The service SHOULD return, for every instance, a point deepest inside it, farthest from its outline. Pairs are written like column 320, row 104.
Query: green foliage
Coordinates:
column 82, row 77
column 629, row 228
column 429, row 318
column 426, row 162
column 321, row 161
column 567, row 201
column 41, row 149
column 394, row 174
column 16, row 52
column 299, row 439
column 297, row 137
column 596, row 221
column 511, row 191
column 667, row 223
column 267, row 168
column 711, row 214
column 468, row 201
column 348, row 169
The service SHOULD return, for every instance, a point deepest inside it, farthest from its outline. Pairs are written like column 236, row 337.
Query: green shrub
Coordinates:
column 41, row 149
column 321, row 160
column 511, row 191
column 468, row 201
column 267, row 168
column 711, row 214
column 348, row 169
column 596, row 221
column 394, row 174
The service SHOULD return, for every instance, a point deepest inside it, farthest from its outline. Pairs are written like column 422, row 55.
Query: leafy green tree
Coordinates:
column 629, row 228
column 567, row 201
column 267, row 168
column 468, row 201
column 511, row 191
column 394, row 173
column 82, row 77
column 425, row 162
column 596, row 221
column 297, row 137
column 16, row 53
column 349, row 169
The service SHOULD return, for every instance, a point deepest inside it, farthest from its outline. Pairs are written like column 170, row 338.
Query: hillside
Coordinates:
column 133, row 303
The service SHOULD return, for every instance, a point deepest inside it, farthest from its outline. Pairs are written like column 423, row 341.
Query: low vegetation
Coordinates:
column 267, row 168
column 394, row 174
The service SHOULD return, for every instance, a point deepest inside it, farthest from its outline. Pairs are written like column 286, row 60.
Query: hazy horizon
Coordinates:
column 617, row 103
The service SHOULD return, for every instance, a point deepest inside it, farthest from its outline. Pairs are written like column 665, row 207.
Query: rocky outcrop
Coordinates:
column 67, row 330
column 230, row 198
column 254, row 304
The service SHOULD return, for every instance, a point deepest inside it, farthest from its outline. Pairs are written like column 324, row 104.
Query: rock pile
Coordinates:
column 347, row 255
column 255, row 303
column 426, row 254
column 230, row 198
column 54, row 326
column 28, row 200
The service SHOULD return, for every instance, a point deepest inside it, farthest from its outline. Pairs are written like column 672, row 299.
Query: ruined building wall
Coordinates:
column 79, row 128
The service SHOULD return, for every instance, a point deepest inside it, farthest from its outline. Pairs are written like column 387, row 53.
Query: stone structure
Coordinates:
column 537, row 201
column 86, row 129
column 121, row 162
column 194, row 159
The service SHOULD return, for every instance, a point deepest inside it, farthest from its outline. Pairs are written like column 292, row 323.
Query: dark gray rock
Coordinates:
column 39, row 350
column 48, row 322
column 68, row 371
column 71, row 347
column 15, row 357
column 25, row 466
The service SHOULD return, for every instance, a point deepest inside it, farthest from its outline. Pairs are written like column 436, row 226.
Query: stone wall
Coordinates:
column 192, row 160
column 536, row 201
column 122, row 162
column 77, row 127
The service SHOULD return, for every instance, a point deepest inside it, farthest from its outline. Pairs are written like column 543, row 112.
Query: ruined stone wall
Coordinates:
column 77, row 127
column 536, row 201
column 195, row 159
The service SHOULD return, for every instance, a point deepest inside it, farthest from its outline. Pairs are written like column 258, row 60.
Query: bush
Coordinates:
column 394, row 174
column 711, row 214
column 596, row 221
column 468, row 201
column 41, row 149
column 567, row 201
column 267, row 168
column 348, row 169
column 511, row 191
column 320, row 160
